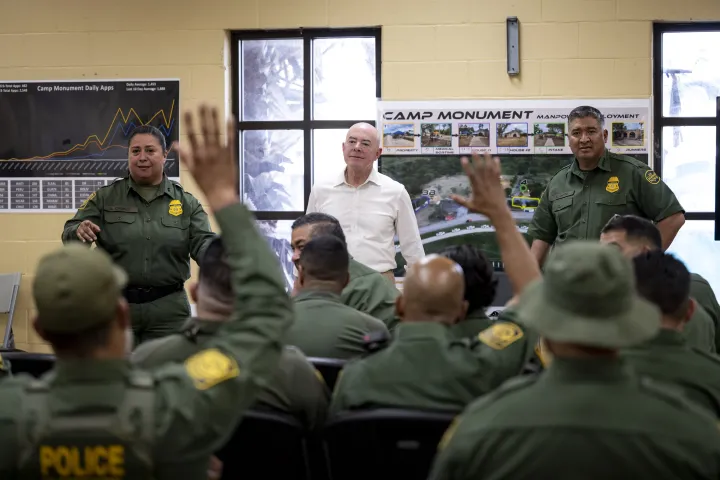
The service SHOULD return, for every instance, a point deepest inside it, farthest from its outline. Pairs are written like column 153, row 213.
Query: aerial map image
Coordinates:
column 430, row 180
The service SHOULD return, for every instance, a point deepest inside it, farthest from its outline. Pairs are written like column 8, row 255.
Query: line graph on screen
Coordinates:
column 125, row 125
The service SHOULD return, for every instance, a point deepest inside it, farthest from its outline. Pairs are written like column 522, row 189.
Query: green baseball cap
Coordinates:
column 76, row 288
column 587, row 296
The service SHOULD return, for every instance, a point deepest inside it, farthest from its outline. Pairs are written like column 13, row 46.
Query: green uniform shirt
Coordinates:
column 370, row 292
column 326, row 328
column 576, row 205
column 296, row 388
column 668, row 358
column 700, row 331
column 426, row 367
column 588, row 419
column 152, row 241
column 703, row 294
column 198, row 404
column 471, row 325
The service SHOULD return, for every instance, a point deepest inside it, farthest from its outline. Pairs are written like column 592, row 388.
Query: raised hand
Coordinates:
column 488, row 195
column 212, row 164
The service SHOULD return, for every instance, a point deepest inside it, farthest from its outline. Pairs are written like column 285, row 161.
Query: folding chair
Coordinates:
column 9, row 287
column 383, row 444
column 329, row 368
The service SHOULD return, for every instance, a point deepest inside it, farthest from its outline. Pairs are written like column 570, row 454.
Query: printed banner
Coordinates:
column 423, row 141
column 62, row 140
column 508, row 127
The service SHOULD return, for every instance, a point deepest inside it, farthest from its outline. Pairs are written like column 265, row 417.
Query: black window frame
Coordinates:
column 307, row 124
column 660, row 121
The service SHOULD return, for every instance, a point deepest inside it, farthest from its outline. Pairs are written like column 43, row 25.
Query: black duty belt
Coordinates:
column 149, row 294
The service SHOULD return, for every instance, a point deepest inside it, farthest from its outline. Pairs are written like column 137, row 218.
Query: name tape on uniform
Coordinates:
column 210, row 367
column 501, row 335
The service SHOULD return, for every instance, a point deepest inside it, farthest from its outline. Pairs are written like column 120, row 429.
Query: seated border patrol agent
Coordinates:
column 663, row 280
column 480, row 288
column 296, row 388
column 93, row 415
column 426, row 366
column 586, row 416
column 367, row 290
column 324, row 327
column 634, row 235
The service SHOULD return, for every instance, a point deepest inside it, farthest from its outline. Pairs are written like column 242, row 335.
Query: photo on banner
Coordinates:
column 62, row 140
column 423, row 142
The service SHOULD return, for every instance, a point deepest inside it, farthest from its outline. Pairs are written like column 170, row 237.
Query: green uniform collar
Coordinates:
column 667, row 337
column 604, row 164
column 165, row 187
column 101, row 371
column 412, row 330
column 566, row 370
column 208, row 327
column 316, row 294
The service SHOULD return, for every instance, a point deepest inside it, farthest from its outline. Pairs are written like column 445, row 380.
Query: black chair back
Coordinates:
column 266, row 445
column 35, row 364
column 329, row 368
column 383, row 444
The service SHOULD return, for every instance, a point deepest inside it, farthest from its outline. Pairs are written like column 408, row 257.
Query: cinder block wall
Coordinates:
column 431, row 50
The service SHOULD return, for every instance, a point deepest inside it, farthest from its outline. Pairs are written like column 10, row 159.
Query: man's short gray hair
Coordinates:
column 585, row 111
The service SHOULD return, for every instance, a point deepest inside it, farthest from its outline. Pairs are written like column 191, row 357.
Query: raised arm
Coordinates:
column 203, row 399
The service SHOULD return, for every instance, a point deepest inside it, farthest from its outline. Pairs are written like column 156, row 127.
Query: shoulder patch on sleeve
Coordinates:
column 652, row 177
column 501, row 335
column 211, row 367
column 88, row 199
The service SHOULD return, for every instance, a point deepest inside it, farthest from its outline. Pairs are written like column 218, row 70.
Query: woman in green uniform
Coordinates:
column 152, row 228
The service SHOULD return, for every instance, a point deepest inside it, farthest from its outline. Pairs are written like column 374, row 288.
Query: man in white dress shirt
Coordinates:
column 371, row 207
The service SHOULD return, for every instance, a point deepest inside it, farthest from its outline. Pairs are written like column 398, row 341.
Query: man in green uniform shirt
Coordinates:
column 367, row 291
column 663, row 280
column 480, row 288
column 426, row 366
column 325, row 327
column 598, row 184
column 151, row 227
column 586, row 416
column 94, row 416
column 296, row 388
column 635, row 235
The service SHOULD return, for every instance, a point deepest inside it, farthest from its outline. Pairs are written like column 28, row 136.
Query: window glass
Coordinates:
column 695, row 245
column 689, row 166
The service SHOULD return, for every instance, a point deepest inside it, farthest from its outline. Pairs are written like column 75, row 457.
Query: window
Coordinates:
column 686, row 85
column 295, row 94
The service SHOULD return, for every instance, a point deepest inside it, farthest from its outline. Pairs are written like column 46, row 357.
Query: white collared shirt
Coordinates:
column 371, row 216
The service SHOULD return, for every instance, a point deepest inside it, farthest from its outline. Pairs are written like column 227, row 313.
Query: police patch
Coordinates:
column 652, row 177
column 84, row 204
column 210, row 367
column 501, row 335
column 613, row 185
column 175, row 208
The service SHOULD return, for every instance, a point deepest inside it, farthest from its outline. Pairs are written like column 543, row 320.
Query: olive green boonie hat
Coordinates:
column 76, row 288
column 587, row 296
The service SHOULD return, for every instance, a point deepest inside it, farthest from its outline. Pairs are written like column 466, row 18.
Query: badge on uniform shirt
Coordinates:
column 210, row 367
column 613, row 185
column 501, row 335
column 175, row 208
column 84, row 204
column 652, row 177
